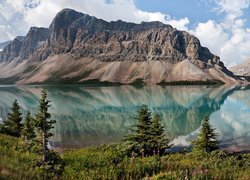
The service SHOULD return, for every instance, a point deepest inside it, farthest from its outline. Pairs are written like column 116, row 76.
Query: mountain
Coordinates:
column 78, row 48
column 242, row 69
column 3, row 44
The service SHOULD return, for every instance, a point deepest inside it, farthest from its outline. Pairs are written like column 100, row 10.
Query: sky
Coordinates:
column 221, row 25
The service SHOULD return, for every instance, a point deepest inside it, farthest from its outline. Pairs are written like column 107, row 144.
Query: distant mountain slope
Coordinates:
column 78, row 48
column 241, row 69
column 4, row 44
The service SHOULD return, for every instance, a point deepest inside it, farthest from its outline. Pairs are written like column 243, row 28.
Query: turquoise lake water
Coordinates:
column 96, row 115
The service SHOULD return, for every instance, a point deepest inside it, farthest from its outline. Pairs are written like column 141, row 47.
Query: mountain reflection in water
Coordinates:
column 95, row 115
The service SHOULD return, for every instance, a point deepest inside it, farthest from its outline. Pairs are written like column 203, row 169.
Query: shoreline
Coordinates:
column 173, row 150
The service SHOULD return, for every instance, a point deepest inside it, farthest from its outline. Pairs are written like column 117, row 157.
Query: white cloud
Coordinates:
column 231, row 44
column 229, row 38
column 5, row 30
column 237, row 47
column 233, row 8
column 211, row 35
column 126, row 10
column 181, row 24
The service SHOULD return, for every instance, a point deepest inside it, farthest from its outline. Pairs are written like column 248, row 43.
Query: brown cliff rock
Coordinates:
column 79, row 48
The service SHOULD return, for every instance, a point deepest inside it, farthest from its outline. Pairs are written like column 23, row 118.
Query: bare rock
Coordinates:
column 79, row 36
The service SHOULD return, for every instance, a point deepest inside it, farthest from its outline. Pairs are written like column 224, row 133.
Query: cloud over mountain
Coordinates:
column 229, row 38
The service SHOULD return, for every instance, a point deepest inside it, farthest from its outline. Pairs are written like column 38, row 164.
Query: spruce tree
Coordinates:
column 206, row 140
column 28, row 131
column 51, row 163
column 140, row 137
column 13, row 124
column 44, row 124
column 158, row 142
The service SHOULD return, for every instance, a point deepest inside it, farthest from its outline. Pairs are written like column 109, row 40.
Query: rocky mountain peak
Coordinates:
column 11, row 51
column 22, row 47
column 33, row 41
column 4, row 44
column 86, row 36
column 64, row 19
column 80, row 36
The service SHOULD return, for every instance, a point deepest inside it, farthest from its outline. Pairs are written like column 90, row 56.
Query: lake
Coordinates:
column 96, row 115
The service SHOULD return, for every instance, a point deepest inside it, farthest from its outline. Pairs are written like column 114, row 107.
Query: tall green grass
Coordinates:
column 107, row 162
column 15, row 163
column 110, row 162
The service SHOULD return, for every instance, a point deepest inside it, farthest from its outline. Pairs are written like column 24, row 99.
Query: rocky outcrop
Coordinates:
column 35, row 39
column 74, row 36
column 22, row 48
column 11, row 51
column 86, row 36
column 4, row 44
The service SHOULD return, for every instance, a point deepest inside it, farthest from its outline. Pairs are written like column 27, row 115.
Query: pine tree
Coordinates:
column 206, row 140
column 44, row 124
column 140, row 137
column 12, row 125
column 51, row 163
column 28, row 131
column 158, row 142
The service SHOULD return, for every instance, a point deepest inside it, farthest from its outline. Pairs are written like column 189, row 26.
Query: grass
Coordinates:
column 16, row 163
column 95, row 163
column 110, row 162
column 106, row 162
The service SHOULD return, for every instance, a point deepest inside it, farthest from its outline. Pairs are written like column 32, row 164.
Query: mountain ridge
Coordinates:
column 3, row 44
column 101, row 50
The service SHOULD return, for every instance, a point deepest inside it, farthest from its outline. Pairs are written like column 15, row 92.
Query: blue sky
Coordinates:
column 221, row 25
column 195, row 10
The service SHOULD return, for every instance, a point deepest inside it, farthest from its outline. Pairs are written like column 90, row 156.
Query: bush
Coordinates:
column 109, row 162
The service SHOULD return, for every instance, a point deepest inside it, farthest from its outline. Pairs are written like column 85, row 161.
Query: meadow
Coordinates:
column 110, row 162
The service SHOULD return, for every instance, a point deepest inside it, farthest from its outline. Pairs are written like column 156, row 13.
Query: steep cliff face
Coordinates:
column 22, row 48
column 86, row 36
column 35, row 39
column 97, row 43
column 11, row 51
column 4, row 44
